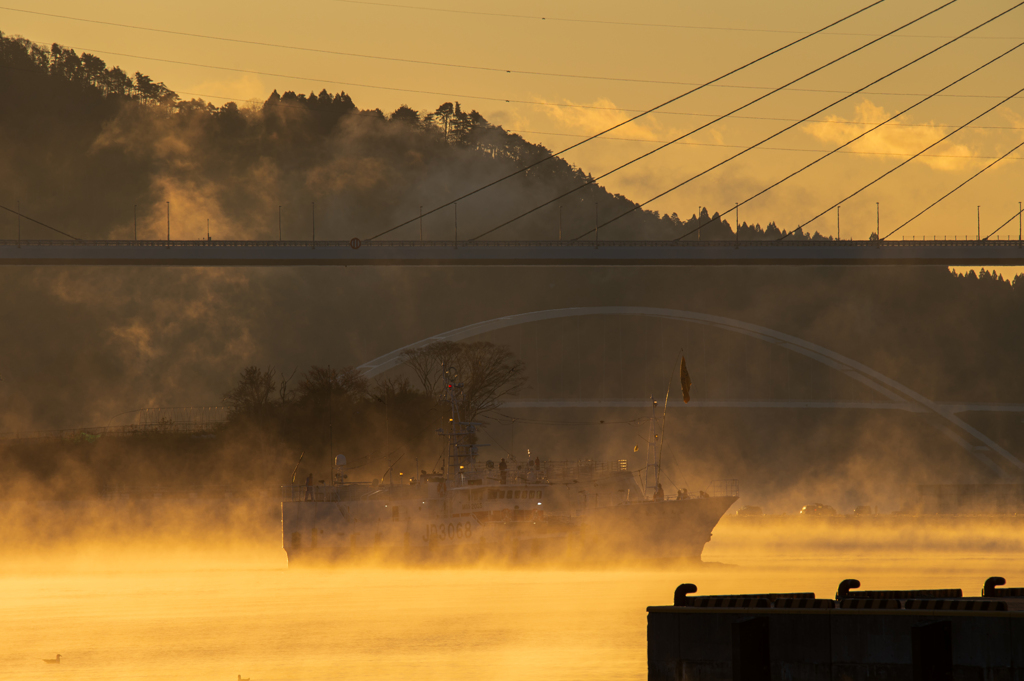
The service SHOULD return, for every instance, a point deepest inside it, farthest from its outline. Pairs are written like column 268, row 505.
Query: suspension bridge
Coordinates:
column 521, row 253
column 587, row 248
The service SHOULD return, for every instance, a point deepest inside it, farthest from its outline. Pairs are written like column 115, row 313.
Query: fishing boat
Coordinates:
column 474, row 507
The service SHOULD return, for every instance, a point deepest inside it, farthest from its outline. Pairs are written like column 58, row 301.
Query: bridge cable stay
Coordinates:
column 376, row 57
column 254, row 101
column 537, row 17
column 801, row 121
column 594, row 180
column 954, row 189
column 576, row 20
column 864, row 134
column 22, row 215
column 930, row 126
column 629, row 120
column 558, row 105
column 456, row 95
column 329, row 81
column 442, row 64
column 1015, row 215
column 908, row 160
column 505, row 100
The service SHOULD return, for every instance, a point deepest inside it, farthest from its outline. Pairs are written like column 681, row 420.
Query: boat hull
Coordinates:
column 432, row 530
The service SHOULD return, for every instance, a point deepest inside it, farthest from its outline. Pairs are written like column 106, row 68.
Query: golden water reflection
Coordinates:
column 213, row 615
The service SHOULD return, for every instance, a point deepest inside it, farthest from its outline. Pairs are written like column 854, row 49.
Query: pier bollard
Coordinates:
column 844, row 588
column 989, row 591
column 751, row 650
column 682, row 591
column 932, row 651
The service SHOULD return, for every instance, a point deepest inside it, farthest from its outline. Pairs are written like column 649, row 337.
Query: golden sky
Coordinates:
column 593, row 62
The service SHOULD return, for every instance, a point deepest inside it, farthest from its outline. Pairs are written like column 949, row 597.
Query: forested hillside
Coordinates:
column 85, row 144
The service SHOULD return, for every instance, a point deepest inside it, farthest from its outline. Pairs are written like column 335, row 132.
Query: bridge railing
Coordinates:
column 313, row 245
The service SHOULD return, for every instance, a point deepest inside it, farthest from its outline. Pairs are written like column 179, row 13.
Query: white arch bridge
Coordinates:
column 897, row 395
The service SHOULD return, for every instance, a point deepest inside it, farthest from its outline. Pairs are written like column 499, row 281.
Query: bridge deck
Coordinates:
column 664, row 253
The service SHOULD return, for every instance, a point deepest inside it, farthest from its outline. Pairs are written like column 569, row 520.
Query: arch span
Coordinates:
column 986, row 453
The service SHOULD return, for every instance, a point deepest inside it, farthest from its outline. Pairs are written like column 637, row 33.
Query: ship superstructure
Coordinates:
column 475, row 507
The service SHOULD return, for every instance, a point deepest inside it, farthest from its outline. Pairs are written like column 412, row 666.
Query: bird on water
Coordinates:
column 241, row 679
column 55, row 660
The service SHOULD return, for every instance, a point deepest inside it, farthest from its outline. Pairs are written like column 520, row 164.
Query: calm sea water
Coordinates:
column 212, row 616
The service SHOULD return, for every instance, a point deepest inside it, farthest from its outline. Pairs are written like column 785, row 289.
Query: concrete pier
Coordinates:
column 933, row 635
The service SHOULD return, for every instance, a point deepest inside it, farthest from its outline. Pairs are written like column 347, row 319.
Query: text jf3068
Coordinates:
column 449, row 531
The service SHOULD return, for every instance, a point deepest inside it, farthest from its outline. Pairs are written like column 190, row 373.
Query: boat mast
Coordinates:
column 461, row 451
column 452, row 392
column 661, row 440
column 651, row 454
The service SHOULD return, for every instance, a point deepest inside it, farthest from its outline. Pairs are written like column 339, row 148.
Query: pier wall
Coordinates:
column 765, row 643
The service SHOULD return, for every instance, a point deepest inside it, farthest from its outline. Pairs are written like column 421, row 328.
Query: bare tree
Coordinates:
column 251, row 396
column 389, row 389
column 320, row 385
column 429, row 363
column 487, row 373
column 285, row 395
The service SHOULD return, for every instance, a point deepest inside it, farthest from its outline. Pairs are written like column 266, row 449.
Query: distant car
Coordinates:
column 817, row 510
column 863, row 510
column 750, row 510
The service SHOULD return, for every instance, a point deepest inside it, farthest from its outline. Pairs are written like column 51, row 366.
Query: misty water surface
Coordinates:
column 177, row 612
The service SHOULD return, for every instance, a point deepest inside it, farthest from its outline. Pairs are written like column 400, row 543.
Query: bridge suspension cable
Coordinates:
column 906, row 161
column 824, row 121
column 456, row 95
column 594, row 180
column 954, row 189
column 1015, row 215
column 790, row 127
column 709, row 83
column 357, row 55
column 869, row 131
column 43, row 224
column 507, row 15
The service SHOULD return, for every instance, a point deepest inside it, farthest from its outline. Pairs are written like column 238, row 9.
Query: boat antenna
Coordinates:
column 651, row 437
column 661, row 443
column 451, row 394
column 296, row 469
column 390, row 469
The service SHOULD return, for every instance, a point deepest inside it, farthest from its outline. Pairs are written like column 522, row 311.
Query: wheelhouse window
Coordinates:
column 533, row 493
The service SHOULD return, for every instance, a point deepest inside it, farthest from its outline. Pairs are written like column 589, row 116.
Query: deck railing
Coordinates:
column 724, row 488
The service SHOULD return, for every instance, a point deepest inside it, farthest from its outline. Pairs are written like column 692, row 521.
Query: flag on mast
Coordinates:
column 684, row 380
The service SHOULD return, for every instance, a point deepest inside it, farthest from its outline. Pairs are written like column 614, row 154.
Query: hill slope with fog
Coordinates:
column 86, row 143
column 82, row 144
